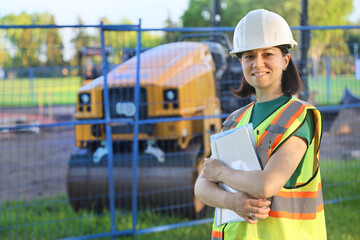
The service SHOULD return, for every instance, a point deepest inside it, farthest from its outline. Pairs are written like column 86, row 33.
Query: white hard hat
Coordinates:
column 259, row 29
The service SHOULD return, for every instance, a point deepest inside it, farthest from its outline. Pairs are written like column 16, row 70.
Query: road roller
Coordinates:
column 179, row 95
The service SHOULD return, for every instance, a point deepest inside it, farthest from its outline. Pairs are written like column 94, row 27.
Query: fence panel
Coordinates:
column 44, row 195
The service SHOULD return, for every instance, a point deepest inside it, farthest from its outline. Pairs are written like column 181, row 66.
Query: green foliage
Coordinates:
column 119, row 41
column 329, row 12
column 352, row 38
column 199, row 11
column 171, row 36
column 4, row 55
column 27, row 43
column 54, row 46
column 322, row 12
column 81, row 39
column 198, row 14
column 325, row 13
column 236, row 9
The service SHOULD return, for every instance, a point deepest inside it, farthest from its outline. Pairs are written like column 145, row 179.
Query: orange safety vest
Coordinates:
column 296, row 212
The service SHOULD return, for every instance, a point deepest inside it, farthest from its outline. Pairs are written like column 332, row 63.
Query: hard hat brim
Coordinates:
column 250, row 48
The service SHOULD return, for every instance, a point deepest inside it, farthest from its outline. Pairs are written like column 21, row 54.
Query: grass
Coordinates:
column 342, row 220
column 26, row 92
column 53, row 218
column 330, row 91
column 340, row 181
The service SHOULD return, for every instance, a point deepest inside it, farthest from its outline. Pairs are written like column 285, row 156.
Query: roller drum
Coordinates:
column 166, row 186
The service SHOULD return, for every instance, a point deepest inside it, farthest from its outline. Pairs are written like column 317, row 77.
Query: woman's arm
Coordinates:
column 260, row 184
column 243, row 204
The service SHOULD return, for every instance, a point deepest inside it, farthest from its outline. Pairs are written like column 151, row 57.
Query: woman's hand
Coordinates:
column 213, row 169
column 245, row 205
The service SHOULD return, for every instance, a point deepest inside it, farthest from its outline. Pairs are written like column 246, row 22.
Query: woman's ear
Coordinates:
column 286, row 60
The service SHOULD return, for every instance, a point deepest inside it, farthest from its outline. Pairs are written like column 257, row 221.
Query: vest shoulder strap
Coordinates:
column 235, row 117
column 275, row 131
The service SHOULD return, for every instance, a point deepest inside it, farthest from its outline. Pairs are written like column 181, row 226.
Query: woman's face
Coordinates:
column 263, row 68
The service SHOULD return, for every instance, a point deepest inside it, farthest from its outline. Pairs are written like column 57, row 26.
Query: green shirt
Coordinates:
column 264, row 109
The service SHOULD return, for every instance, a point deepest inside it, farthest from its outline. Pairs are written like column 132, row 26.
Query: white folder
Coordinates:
column 236, row 149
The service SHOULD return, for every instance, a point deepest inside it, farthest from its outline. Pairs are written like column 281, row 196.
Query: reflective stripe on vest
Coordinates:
column 297, row 205
column 275, row 131
column 216, row 235
column 235, row 117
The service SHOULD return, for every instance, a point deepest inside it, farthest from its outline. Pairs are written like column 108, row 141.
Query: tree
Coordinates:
column 125, row 42
column 353, row 43
column 198, row 14
column 27, row 44
column 4, row 56
column 327, row 12
column 321, row 12
column 81, row 39
column 199, row 11
column 54, row 46
column 22, row 41
column 170, row 36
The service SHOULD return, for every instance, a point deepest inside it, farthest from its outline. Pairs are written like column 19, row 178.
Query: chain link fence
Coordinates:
column 103, row 128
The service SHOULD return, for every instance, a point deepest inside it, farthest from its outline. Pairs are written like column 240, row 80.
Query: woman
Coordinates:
column 284, row 200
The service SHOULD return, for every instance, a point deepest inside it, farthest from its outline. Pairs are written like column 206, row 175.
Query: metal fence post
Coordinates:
column 356, row 51
column 135, row 152
column 31, row 84
column 328, row 77
column 108, row 135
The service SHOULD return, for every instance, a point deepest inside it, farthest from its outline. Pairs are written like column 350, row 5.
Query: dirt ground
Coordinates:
column 341, row 141
column 34, row 162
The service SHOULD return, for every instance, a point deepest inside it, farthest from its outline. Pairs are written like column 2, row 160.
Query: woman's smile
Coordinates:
column 260, row 74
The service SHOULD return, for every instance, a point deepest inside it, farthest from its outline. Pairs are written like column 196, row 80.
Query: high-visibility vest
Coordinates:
column 296, row 212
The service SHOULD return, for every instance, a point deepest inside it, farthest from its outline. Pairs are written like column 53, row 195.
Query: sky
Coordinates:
column 356, row 14
column 153, row 13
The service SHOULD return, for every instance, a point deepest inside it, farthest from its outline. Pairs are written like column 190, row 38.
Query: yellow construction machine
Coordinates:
column 178, row 81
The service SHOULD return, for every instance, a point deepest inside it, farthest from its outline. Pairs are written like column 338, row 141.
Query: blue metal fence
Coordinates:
column 37, row 133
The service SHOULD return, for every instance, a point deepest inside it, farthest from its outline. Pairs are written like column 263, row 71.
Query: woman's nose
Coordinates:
column 258, row 61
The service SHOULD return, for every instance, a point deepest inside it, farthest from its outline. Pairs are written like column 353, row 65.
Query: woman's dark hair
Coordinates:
column 290, row 82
